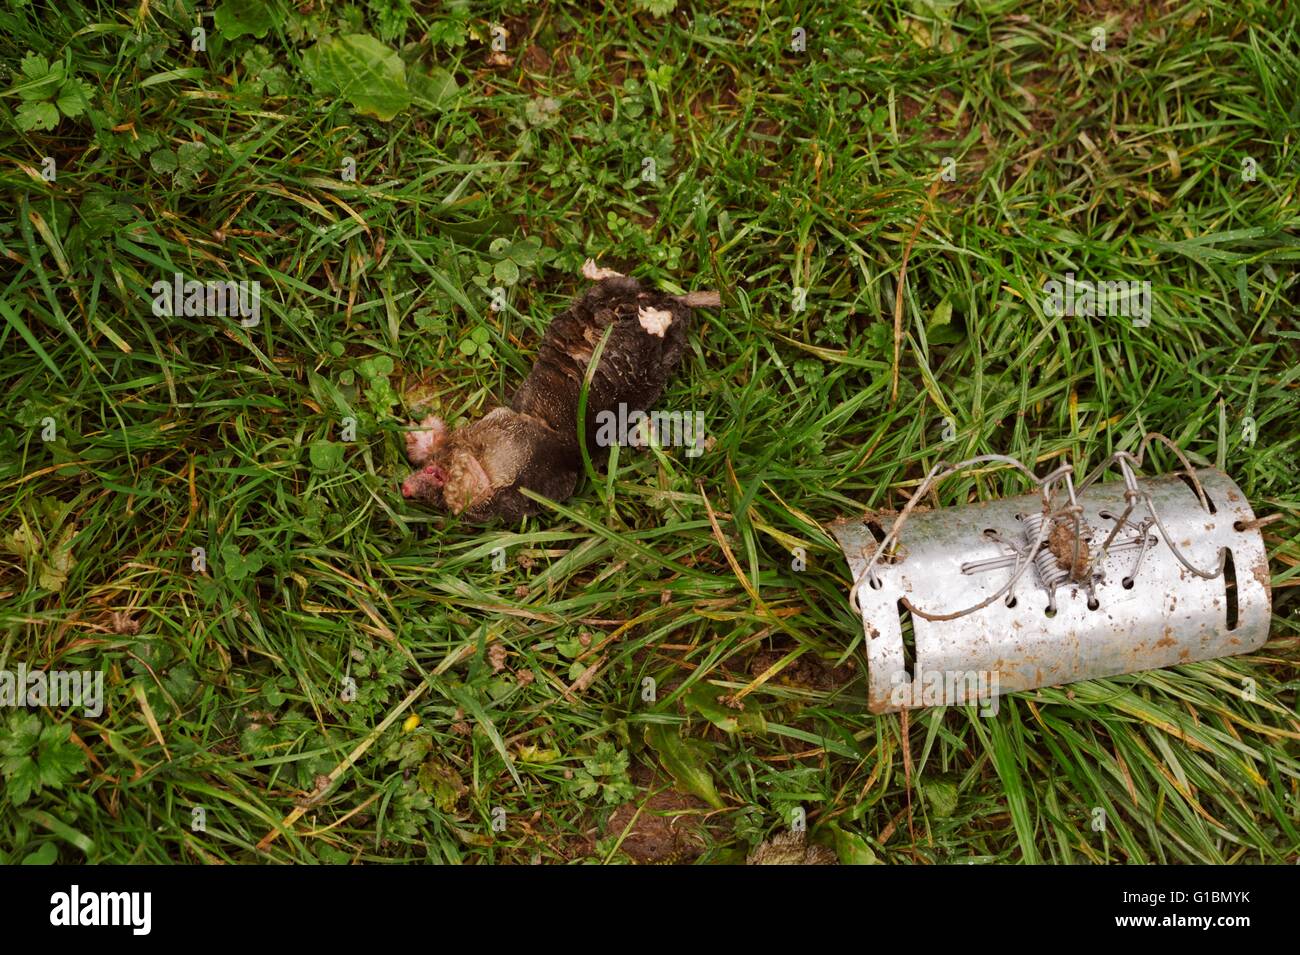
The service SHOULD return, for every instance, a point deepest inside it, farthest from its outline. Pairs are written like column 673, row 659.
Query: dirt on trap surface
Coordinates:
column 1061, row 543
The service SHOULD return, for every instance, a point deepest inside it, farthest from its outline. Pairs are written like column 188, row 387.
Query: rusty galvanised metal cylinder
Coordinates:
column 1137, row 606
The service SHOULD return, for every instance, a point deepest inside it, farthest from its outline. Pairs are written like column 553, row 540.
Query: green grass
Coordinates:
column 777, row 171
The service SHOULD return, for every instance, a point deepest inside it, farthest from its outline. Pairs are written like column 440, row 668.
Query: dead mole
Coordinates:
column 477, row 470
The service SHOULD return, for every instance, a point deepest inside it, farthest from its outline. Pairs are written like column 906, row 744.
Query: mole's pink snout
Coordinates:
column 421, row 482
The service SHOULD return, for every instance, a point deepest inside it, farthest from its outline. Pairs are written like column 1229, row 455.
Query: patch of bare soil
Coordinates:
column 661, row 826
column 1121, row 15
column 808, row 672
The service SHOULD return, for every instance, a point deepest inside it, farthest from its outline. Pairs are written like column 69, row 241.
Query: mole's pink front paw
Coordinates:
column 423, row 442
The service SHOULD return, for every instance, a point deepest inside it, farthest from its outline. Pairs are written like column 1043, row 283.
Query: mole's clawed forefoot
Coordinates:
column 423, row 440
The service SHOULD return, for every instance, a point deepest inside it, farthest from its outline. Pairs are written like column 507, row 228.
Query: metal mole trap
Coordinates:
column 1058, row 585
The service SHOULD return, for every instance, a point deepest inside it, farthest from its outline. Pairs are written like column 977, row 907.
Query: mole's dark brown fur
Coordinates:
column 478, row 470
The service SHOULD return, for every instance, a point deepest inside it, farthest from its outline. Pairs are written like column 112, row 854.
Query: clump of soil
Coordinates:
column 1061, row 543
column 808, row 671
column 669, row 829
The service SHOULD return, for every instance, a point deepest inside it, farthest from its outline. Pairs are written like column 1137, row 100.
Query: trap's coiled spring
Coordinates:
column 1050, row 573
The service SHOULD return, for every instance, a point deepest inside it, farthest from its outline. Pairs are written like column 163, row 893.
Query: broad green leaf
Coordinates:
column 703, row 698
column 437, row 88
column 942, row 313
column 683, row 760
column 657, row 8
column 50, row 578
column 442, row 783
column 506, row 272
column 47, row 854
column 376, row 367
column 852, row 849
column 237, row 566
column 22, row 542
column 525, row 251
column 538, row 754
column 34, row 66
column 236, row 18
column 190, row 158
column 73, row 98
column 42, row 78
column 942, row 796
column 162, row 161
column 32, row 116
column 22, row 778
column 58, row 761
column 21, row 736
column 940, row 330
column 368, row 74
column 326, row 455
column 54, row 569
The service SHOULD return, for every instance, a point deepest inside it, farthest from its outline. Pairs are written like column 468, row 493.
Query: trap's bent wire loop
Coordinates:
column 1129, row 465
column 1131, row 486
